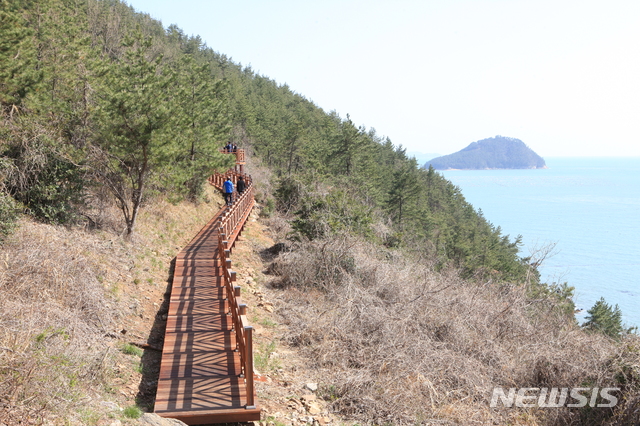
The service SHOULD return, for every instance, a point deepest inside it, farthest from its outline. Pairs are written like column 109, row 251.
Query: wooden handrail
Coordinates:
column 239, row 152
column 229, row 227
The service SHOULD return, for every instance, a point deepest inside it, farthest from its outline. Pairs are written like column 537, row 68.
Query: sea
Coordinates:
column 586, row 208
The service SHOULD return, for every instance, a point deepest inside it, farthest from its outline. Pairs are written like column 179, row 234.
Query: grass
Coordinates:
column 132, row 412
column 275, row 421
column 129, row 349
column 263, row 359
column 267, row 322
column 89, row 416
column 258, row 319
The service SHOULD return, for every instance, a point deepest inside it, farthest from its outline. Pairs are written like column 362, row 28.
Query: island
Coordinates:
column 499, row 152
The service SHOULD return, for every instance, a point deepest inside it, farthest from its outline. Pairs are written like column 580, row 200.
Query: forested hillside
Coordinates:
column 103, row 106
column 104, row 102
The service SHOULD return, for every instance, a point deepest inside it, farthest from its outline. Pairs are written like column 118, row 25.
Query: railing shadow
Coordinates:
column 152, row 353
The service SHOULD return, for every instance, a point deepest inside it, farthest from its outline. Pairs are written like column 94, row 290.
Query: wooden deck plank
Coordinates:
column 197, row 393
column 220, row 416
column 201, row 341
column 201, row 364
column 199, row 271
column 200, row 292
column 186, row 323
column 191, row 281
column 199, row 306
column 204, row 261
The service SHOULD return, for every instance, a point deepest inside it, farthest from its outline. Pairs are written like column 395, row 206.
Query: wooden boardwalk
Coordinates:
column 206, row 372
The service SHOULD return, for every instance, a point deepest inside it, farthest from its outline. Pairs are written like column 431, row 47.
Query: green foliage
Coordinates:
column 201, row 113
column 403, row 189
column 132, row 412
column 605, row 319
column 558, row 297
column 41, row 177
column 264, row 359
column 129, row 349
column 18, row 72
column 336, row 212
column 134, row 110
column 268, row 208
column 9, row 214
column 288, row 194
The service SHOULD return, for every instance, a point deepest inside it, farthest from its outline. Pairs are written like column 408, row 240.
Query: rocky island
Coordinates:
column 493, row 153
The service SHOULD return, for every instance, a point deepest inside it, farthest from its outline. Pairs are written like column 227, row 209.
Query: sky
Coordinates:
column 563, row 76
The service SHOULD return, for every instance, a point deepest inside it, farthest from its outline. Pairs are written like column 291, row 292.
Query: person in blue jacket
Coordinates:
column 228, row 191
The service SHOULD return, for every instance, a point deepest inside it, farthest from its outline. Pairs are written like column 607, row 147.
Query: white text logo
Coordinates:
column 554, row 397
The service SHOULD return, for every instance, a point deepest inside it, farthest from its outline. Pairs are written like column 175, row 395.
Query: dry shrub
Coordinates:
column 396, row 342
column 52, row 317
column 65, row 296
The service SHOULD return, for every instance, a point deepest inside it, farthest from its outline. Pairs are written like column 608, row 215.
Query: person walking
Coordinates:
column 228, row 191
column 241, row 185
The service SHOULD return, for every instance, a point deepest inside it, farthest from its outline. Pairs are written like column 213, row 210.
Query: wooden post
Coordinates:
column 248, row 366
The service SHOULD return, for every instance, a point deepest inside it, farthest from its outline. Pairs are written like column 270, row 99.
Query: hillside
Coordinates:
column 493, row 153
column 370, row 276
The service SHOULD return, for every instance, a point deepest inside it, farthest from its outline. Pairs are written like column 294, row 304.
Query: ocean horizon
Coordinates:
column 588, row 207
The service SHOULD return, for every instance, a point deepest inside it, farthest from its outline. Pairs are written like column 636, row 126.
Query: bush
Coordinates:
column 393, row 341
column 9, row 213
column 337, row 212
column 49, row 185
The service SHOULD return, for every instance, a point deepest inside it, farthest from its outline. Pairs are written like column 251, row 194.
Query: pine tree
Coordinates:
column 404, row 188
column 18, row 73
column 201, row 125
column 348, row 146
column 605, row 319
column 134, row 111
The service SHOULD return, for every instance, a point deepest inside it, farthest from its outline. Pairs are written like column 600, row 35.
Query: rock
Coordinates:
column 314, row 408
column 312, row 386
column 111, row 405
column 156, row 420
column 309, row 397
column 294, row 403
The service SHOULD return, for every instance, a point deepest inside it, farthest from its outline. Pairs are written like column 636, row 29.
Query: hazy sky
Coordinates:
column 435, row 75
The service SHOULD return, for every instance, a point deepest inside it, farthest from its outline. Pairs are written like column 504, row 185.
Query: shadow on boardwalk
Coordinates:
column 152, row 354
